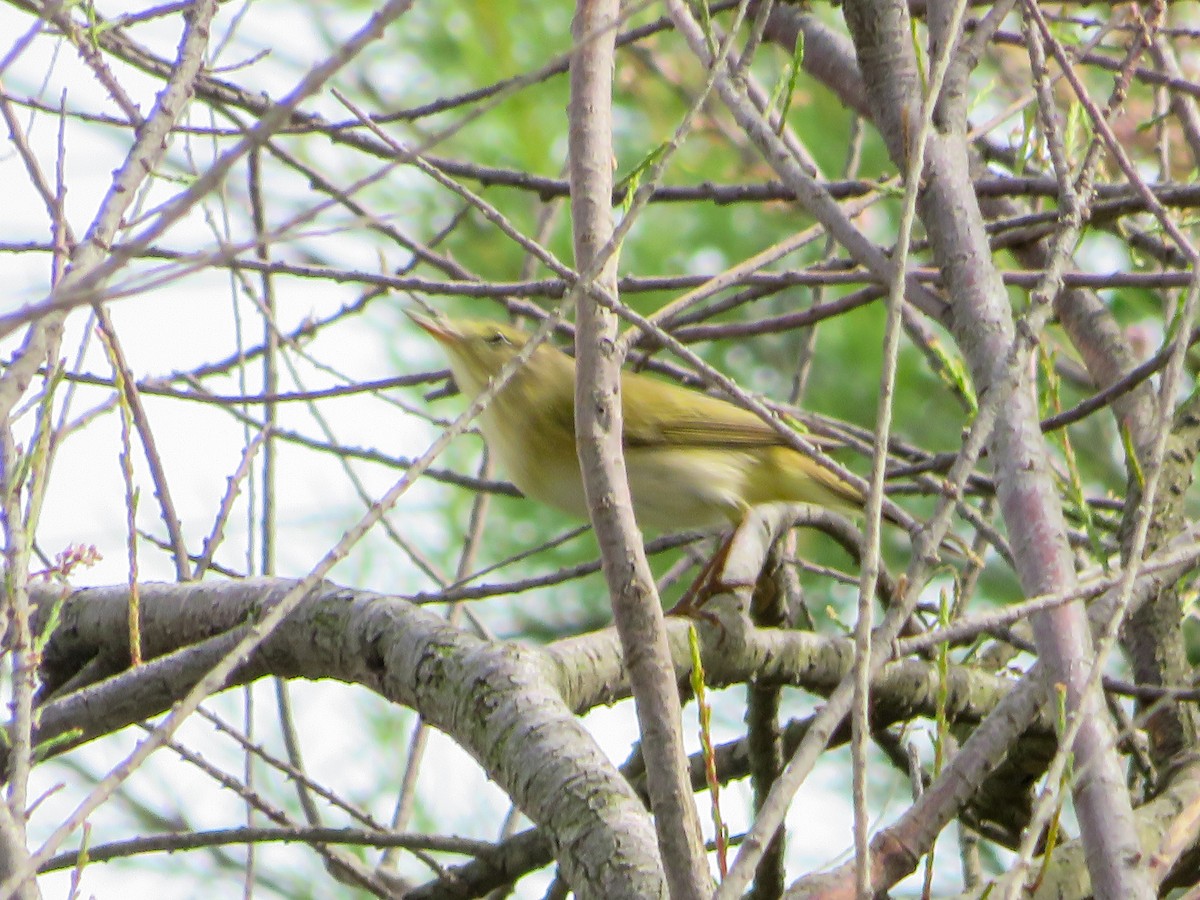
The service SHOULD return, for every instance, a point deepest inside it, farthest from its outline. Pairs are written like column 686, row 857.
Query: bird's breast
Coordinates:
column 544, row 470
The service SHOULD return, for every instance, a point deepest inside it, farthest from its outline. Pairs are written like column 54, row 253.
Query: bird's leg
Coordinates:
column 707, row 584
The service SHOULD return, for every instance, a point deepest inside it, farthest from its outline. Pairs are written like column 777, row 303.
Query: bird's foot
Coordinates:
column 707, row 585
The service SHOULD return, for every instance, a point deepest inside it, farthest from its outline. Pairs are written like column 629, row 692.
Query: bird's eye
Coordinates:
column 497, row 339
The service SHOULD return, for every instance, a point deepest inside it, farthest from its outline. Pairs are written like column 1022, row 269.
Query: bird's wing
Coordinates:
column 657, row 413
column 698, row 432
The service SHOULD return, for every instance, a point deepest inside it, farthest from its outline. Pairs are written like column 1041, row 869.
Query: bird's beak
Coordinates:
column 440, row 330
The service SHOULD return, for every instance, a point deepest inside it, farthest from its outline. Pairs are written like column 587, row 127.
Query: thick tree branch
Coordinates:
column 982, row 323
column 501, row 702
column 637, row 610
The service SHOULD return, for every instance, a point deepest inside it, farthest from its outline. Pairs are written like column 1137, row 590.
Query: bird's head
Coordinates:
column 478, row 349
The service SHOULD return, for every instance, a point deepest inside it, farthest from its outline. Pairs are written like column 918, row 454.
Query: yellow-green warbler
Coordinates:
column 693, row 461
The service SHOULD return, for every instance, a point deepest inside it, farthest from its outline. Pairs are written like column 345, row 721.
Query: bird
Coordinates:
column 692, row 460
